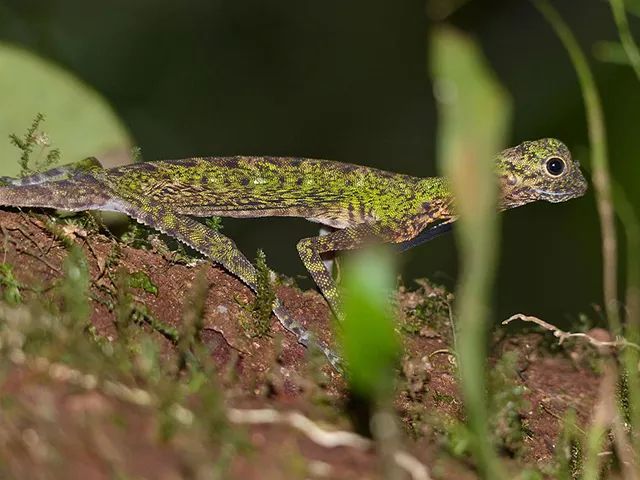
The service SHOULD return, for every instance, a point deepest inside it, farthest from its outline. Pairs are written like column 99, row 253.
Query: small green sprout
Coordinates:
column 32, row 139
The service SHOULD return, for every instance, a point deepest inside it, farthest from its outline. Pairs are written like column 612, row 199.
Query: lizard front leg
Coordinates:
column 222, row 250
column 310, row 249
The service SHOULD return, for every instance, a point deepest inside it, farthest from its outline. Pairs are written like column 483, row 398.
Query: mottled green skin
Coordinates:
column 524, row 178
column 336, row 194
column 363, row 204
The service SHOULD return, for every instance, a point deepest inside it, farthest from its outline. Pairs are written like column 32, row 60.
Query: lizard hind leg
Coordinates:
column 222, row 250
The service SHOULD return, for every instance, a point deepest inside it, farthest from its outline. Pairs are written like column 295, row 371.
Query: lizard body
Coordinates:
column 363, row 204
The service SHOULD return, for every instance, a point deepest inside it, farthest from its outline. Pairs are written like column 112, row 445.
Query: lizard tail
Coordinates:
column 76, row 194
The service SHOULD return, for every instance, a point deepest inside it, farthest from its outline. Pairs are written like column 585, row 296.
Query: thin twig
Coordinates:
column 416, row 469
column 440, row 352
column 324, row 438
column 320, row 436
column 452, row 324
column 26, row 236
column 137, row 396
column 619, row 343
column 624, row 450
column 19, row 249
column 38, row 257
column 547, row 409
column 602, row 419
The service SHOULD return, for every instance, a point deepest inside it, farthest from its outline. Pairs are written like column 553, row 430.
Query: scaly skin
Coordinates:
column 363, row 204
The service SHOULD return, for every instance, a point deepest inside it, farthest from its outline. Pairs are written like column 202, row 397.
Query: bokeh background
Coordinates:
column 345, row 81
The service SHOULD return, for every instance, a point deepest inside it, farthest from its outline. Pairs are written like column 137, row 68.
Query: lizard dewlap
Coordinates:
column 363, row 204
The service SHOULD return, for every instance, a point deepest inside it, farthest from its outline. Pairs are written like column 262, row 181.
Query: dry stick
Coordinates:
column 556, row 416
column 601, row 421
column 318, row 435
column 325, row 438
column 25, row 235
column 599, row 160
column 624, row 450
column 631, row 223
column 137, row 396
column 606, row 415
column 561, row 335
column 39, row 258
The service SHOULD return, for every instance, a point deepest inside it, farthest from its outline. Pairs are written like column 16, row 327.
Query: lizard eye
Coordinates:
column 555, row 166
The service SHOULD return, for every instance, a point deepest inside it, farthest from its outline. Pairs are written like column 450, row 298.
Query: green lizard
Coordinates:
column 362, row 204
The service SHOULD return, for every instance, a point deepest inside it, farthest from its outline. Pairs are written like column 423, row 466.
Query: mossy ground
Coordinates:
column 136, row 383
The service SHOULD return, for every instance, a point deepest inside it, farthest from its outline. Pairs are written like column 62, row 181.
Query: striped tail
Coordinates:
column 75, row 194
column 57, row 173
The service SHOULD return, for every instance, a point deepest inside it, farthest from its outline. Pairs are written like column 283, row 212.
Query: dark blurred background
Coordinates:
column 349, row 81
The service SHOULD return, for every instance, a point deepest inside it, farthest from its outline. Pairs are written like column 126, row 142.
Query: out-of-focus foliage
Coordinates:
column 79, row 121
column 346, row 81
column 369, row 341
column 633, row 6
column 474, row 118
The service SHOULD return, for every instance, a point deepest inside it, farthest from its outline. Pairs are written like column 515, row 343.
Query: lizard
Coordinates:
column 359, row 203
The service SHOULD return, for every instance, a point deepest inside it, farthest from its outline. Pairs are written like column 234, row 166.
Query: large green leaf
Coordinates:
column 78, row 120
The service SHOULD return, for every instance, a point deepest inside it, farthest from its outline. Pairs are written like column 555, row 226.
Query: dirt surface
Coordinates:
column 58, row 423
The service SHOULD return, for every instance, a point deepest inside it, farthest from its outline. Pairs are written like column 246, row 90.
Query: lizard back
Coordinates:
column 333, row 193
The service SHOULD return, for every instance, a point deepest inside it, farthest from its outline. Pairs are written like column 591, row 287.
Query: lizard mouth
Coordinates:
column 556, row 197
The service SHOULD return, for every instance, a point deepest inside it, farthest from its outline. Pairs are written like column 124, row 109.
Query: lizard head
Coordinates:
column 539, row 170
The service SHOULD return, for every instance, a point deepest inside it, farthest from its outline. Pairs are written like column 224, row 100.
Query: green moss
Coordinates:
column 74, row 288
column 258, row 321
column 569, row 451
column 214, row 223
column 186, row 407
column 141, row 280
column 137, row 235
column 457, row 438
column 35, row 140
column 136, row 154
column 192, row 321
column 431, row 312
column 11, row 286
column 129, row 312
column 443, row 398
column 507, row 403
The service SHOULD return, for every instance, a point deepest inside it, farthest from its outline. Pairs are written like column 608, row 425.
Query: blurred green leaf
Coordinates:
column 626, row 37
column 474, row 113
column 370, row 344
column 75, row 286
column 10, row 284
column 633, row 6
column 79, row 121
column 610, row 52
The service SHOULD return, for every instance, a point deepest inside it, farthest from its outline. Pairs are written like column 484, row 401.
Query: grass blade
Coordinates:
column 624, row 32
column 474, row 114
column 599, row 160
